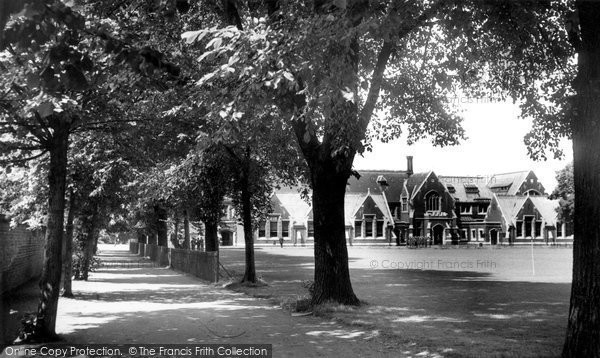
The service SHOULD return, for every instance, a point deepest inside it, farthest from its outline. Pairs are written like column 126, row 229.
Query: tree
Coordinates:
column 333, row 67
column 565, row 192
column 261, row 157
column 57, row 73
column 67, row 251
column 205, row 179
column 583, row 330
column 99, row 174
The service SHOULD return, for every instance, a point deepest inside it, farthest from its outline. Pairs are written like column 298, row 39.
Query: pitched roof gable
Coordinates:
column 510, row 206
column 513, row 180
column 546, row 208
column 415, row 182
column 368, row 182
column 297, row 207
column 278, row 207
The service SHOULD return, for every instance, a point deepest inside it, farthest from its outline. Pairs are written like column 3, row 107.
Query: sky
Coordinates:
column 494, row 145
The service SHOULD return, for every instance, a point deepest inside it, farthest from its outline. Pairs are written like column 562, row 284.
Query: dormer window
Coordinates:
column 404, row 204
column 471, row 189
column 381, row 180
column 451, row 188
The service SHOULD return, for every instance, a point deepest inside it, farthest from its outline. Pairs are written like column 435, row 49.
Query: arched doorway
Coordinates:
column 494, row 237
column 438, row 234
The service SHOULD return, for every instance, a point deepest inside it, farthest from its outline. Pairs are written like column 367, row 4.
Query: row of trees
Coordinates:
column 120, row 133
column 334, row 74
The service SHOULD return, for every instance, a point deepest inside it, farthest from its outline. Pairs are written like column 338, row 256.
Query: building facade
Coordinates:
column 383, row 206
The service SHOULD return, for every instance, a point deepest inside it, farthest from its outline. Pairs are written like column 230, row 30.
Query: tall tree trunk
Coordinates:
column 45, row 323
column 161, row 225
column 211, row 236
column 176, row 232
column 88, row 248
column 583, row 331
column 141, row 236
column 332, row 276
column 250, row 273
column 96, row 237
column 68, row 248
column 186, row 230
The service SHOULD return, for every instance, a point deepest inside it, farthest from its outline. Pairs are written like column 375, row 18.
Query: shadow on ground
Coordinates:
column 452, row 313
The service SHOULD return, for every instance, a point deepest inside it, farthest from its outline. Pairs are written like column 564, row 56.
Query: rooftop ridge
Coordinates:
column 515, row 172
column 382, row 170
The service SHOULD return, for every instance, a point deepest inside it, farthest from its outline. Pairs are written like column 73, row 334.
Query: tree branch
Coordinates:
column 376, row 81
column 23, row 160
column 383, row 57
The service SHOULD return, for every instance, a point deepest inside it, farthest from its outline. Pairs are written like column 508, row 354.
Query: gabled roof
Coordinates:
column 368, row 182
column 352, row 203
column 381, row 201
column 460, row 188
column 510, row 206
column 415, row 182
column 513, row 180
column 278, row 207
column 297, row 207
column 547, row 208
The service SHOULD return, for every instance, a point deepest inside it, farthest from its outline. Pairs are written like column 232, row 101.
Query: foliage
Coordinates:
column 565, row 192
column 23, row 195
column 80, row 267
column 427, row 52
column 339, row 73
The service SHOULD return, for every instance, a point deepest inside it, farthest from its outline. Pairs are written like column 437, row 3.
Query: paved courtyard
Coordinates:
column 505, row 301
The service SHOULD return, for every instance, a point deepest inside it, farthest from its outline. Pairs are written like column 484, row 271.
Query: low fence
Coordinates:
column 204, row 265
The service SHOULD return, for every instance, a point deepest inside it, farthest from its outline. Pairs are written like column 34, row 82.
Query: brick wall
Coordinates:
column 21, row 255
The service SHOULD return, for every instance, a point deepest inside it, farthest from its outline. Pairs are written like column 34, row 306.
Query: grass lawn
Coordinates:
column 446, row 302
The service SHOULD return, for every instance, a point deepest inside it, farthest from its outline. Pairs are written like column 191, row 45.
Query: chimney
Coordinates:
column 409, row 165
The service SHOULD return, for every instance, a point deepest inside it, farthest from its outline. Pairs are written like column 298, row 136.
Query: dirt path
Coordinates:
column 157, row 305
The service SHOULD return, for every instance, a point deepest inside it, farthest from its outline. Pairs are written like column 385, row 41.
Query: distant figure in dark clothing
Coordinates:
column 281, row 241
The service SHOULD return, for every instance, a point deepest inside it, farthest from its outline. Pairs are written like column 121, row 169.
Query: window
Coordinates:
column 474, row 234
column 519, row 228
column 261, row 229
column 463, row 234
column 465, row 209
column 273, row 228
column 358, row 228
column 482, row 209
column 481, row 234
column 559, row 229
column 369, row 226
column 285, row 228
column 404, row 204
column 379, row 230
column 471, row 188
column 538, row 229
column 527, row 224
column 311, row 229
column 451, row 188
column 432, row 201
